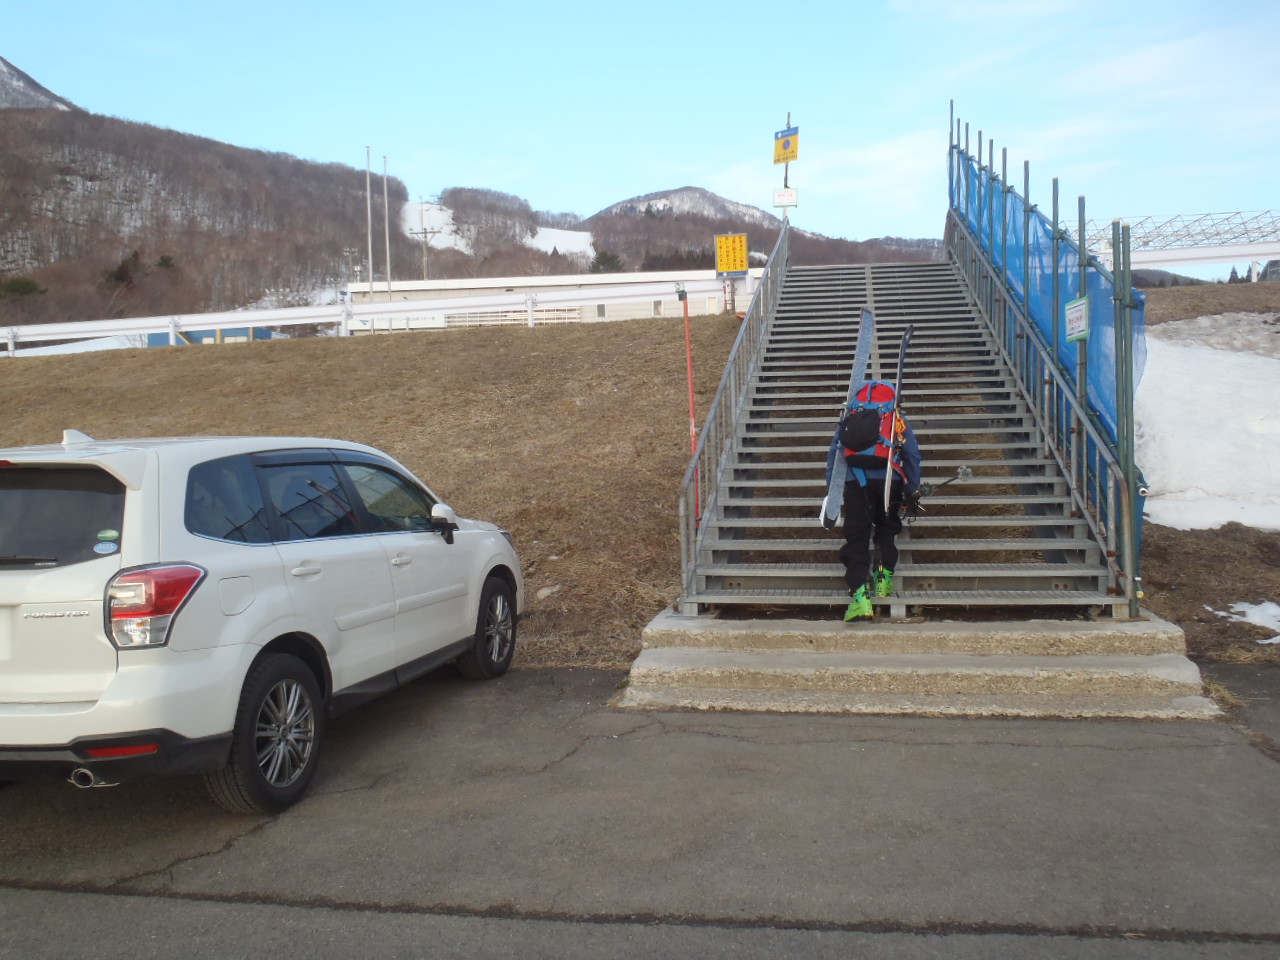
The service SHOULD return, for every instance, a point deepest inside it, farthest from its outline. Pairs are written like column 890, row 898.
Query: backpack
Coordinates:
column 872, row 431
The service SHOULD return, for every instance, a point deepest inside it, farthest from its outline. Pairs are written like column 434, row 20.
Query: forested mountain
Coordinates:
column 103, row 217
column 676, row 229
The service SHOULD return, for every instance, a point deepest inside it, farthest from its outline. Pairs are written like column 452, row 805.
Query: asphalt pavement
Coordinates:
column 526, row 817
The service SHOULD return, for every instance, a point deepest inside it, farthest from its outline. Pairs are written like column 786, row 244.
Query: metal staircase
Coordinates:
column 1015, row 540
column 1037, row 535
column 1007, row 536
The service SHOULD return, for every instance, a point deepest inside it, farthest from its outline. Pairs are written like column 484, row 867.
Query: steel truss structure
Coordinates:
column 1194, row 238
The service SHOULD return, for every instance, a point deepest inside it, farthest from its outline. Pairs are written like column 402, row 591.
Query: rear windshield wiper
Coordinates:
column 17, row 560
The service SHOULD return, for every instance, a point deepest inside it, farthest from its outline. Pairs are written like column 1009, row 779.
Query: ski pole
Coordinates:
column 964, row 473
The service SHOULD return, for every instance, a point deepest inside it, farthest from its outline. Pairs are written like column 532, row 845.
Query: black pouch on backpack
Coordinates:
column 860, row 431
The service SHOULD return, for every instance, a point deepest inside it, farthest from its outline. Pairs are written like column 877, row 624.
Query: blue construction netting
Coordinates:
column 997, row 217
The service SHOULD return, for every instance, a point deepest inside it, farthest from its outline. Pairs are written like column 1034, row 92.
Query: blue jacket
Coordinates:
column 910, row 462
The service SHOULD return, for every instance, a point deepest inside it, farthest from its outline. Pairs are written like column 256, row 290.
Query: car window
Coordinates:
column 224, row 501
column 56, row 516
column 392, row 501
column 308, row 501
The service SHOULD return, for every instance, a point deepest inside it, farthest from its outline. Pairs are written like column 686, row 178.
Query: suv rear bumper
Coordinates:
column 193, row 695
column 117, row 758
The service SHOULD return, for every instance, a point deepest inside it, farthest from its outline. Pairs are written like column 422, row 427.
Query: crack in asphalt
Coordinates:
column 906, row 740
column 654, row 726
column 165, row 873
column 597, row 738
column 508, row 911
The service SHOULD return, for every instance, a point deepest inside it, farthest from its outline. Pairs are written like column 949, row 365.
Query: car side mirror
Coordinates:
column 444, row 521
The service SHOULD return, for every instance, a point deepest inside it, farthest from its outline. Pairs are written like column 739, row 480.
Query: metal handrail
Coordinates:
column 699, row 488
column 1099, row 486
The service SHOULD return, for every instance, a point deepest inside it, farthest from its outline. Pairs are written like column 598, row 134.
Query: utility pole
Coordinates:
column 386, row 220
column 348, row 256
column 422, row 231
column 368, row 211
column 423, row 234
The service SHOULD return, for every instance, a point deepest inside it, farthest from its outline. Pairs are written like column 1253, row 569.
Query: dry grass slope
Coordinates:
column 575, row 438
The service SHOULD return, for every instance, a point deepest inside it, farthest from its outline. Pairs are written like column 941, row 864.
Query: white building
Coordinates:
column 580, row 298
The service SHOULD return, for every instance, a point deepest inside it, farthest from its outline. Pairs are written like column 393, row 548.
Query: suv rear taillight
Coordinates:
column 141, row 603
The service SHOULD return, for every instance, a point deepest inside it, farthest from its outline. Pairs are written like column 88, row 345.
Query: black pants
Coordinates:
column 865, row 518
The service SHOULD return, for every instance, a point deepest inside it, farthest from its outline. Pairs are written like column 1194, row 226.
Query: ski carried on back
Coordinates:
column 897, row 405
column 834, row 499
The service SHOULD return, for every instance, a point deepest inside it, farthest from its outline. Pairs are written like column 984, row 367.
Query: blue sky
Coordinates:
column 1145, row 107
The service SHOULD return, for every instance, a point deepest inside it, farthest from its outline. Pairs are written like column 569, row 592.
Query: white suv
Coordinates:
column 201, row 605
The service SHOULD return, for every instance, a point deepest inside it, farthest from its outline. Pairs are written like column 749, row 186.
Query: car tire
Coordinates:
column 276, row 741
column 495, row 639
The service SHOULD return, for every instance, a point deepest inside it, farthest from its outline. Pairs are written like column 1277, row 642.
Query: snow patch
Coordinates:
column 437, row 221
column 1265, row 614
column 124, row 342
column 567, row 242
column 1208, row 427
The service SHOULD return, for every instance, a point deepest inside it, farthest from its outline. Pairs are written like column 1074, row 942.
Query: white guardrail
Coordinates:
column 548, row 306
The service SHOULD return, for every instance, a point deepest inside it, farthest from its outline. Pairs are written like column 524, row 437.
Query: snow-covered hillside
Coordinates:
column 693, row 201
column 443, row 233
column 17, row 90
column 437, row 221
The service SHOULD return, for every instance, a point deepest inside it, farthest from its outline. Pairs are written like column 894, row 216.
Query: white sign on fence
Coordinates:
column 1077, row 313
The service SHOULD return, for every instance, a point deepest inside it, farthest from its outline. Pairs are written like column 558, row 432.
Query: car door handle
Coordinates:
column 401, row 561
column 306, row 570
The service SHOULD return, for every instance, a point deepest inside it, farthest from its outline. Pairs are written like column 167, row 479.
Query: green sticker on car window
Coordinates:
column 108, row 534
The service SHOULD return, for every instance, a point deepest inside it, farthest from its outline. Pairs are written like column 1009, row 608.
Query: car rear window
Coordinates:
column 57, row 516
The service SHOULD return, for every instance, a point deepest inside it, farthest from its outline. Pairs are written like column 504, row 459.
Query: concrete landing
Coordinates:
column 1025, row 668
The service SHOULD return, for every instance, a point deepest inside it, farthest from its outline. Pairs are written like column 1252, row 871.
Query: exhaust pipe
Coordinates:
column 84, row 778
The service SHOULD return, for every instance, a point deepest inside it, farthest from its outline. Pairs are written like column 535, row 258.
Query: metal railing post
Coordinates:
column 1082, row 346
column 1125, row 427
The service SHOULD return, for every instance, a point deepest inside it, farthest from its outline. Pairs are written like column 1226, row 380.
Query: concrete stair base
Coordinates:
column 967, row 705
column 1045, row 668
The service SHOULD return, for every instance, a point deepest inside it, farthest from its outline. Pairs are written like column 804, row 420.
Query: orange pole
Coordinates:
column 693, row 420
column 688, row 350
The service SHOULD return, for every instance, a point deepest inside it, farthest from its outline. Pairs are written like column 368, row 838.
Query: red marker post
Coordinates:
column 693, row 420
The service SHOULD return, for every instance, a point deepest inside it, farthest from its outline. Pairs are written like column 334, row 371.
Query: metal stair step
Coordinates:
column 906, row 544
column 819, row 484
column 907, row 569
column 910, row 598
column 928, row 520
column 1003, row 425
column 818, row 467
column 938, row 500
column 821, row 450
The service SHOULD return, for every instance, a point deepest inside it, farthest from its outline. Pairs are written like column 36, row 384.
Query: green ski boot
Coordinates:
column 884, row 582
column 860, row 606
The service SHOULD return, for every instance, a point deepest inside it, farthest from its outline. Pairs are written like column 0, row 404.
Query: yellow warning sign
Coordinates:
column 731, row 255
